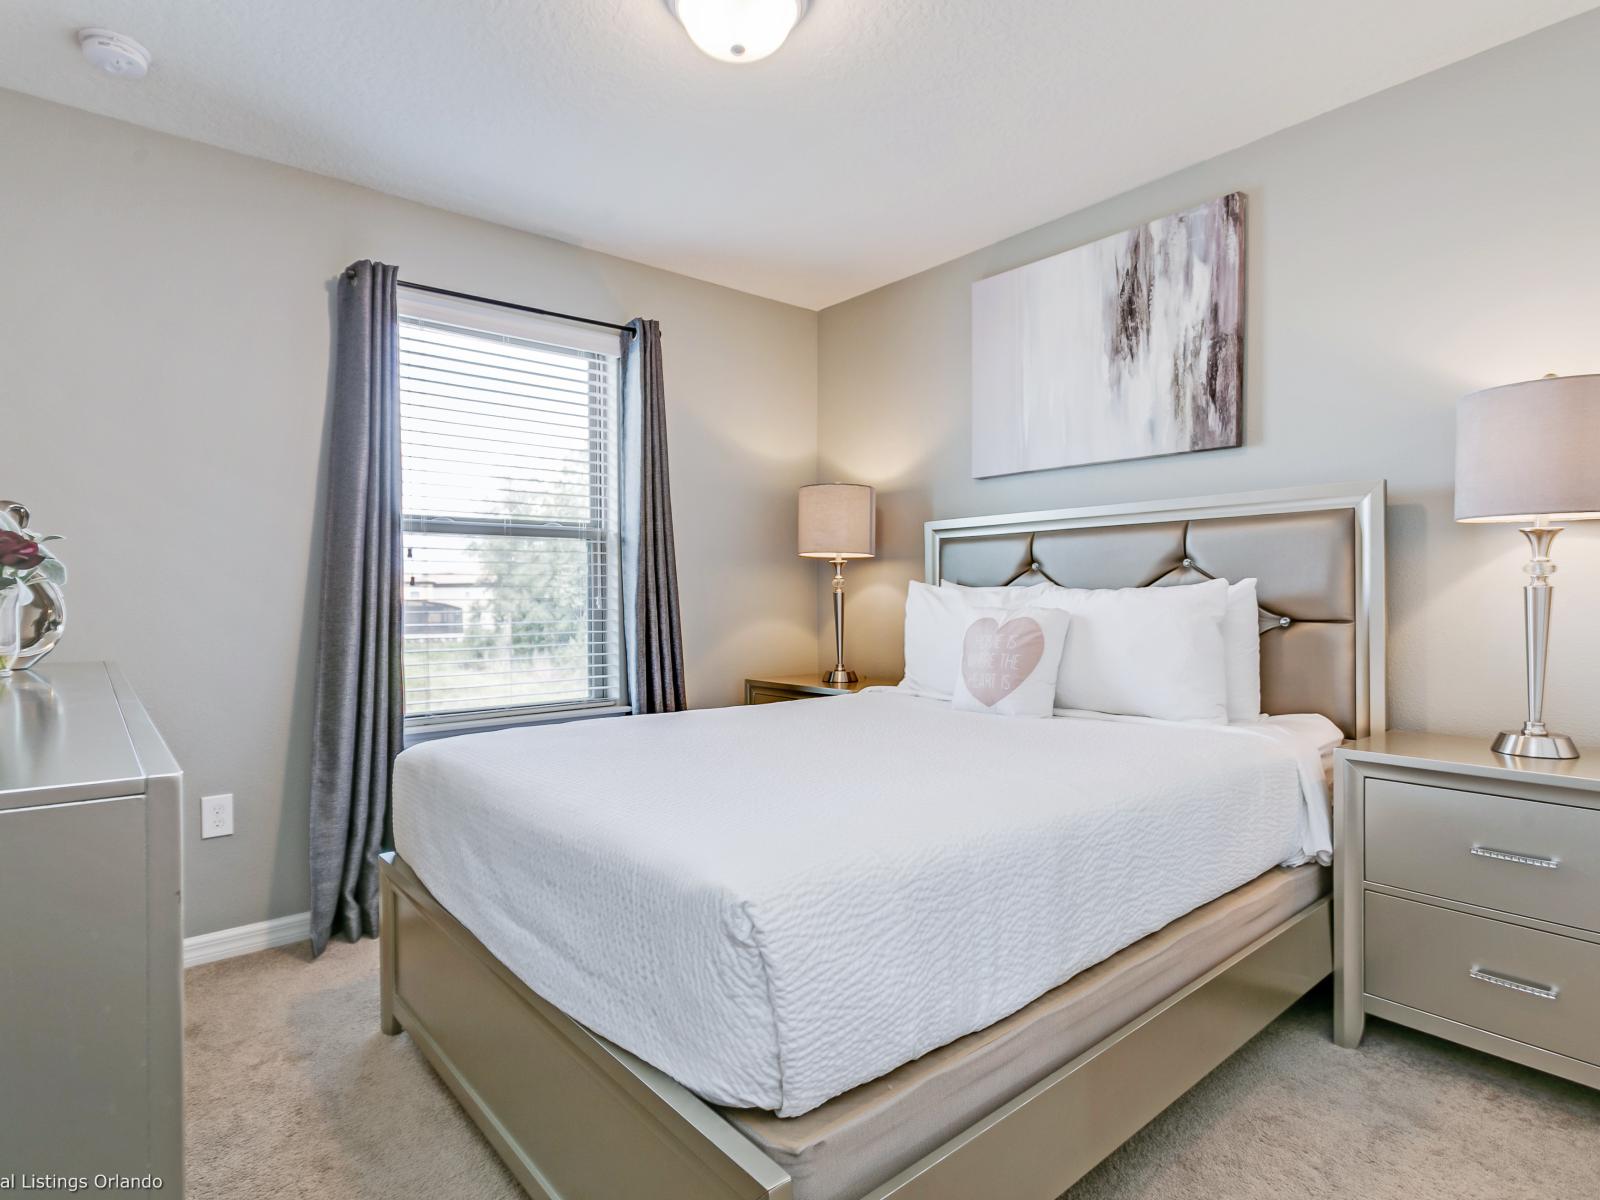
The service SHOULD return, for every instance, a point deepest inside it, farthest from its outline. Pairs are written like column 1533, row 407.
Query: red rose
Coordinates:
column 19, row 551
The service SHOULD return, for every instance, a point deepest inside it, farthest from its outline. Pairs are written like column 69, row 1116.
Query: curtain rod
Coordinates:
column 542, row 312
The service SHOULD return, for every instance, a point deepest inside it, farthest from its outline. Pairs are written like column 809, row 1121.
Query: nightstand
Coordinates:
column 771, row 689
column 1467, row 898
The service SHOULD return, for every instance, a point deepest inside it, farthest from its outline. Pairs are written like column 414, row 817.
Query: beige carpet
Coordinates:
column 293, row 1092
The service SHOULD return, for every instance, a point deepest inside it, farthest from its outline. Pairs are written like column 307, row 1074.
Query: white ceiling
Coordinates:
column 887, row 136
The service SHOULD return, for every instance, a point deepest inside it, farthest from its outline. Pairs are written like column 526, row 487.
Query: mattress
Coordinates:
column 865, row 1137
column 774, row 904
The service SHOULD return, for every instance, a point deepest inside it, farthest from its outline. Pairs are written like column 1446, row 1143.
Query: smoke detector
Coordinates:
column 113, row 53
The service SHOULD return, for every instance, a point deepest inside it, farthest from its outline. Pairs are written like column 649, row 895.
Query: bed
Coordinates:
column 826, row 999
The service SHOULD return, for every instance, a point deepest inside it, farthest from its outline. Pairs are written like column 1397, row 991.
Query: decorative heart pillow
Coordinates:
column 1010, row 658
column 936, row 617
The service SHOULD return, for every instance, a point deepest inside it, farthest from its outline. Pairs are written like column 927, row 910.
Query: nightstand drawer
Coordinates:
column 774, row 689
column 755, row 693
column 1528, row 857
column 1539, row 988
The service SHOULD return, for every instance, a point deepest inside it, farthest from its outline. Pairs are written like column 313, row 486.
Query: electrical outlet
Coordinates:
column 216, row 816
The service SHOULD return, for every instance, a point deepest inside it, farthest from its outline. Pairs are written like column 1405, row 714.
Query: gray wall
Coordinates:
column 1434, row 239
column 164, row 329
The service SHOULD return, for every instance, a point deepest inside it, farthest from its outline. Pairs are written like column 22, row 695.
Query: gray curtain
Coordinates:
column 356, row 726
column 651, row 632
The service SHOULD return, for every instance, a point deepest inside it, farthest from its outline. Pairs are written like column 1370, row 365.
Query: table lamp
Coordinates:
column 837, row 522
column 1530, row 452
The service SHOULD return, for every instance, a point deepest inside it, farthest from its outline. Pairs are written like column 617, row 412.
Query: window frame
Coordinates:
column 601, row 533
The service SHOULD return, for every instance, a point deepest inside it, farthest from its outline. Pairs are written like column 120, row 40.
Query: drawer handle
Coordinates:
column 1516, row 985
column 1527, row 860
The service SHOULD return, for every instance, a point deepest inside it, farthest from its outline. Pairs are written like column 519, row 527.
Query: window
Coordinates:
column 508, row 436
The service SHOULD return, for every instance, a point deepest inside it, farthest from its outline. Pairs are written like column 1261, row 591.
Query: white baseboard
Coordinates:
column 246, row 939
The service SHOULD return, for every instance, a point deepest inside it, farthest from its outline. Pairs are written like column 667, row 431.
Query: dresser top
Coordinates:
column 1472, row 756
column 75, row 731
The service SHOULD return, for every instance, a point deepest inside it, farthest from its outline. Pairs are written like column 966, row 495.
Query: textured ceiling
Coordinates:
column 884, row 138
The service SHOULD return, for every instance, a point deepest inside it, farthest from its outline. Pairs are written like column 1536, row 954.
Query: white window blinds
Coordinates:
column 508, row 474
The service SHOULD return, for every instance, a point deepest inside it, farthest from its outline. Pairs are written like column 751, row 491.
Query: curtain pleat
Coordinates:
column 359, row 710
column 654, row 640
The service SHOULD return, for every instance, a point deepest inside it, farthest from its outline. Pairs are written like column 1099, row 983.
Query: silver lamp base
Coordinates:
column 840, row 675
column 1523, row 744
column 1533, row 740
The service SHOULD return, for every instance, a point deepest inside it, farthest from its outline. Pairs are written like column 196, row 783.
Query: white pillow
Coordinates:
column 1241, row 638
column 1007, row 595
column 1008, row 661
column 1145, row 651
column 936, row 618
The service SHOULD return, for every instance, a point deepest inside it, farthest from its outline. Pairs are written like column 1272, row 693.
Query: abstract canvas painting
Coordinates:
column 1129, row 347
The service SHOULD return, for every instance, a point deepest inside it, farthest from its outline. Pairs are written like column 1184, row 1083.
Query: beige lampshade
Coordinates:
column 1530, row 450
column 837, row 520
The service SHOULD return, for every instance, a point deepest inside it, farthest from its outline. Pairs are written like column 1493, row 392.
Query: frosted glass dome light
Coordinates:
column 738, row 31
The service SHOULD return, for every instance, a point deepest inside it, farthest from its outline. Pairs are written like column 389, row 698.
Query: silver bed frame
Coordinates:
column 576, row 1118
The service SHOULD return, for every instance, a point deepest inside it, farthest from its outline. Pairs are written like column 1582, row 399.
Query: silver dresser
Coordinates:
column 1467, row 898
column 91, row 985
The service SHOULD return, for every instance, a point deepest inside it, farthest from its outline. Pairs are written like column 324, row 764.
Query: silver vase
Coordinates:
column 44, row 617
column 13, row 596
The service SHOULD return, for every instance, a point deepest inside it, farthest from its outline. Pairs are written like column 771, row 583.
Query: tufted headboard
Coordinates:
column 1316, row 552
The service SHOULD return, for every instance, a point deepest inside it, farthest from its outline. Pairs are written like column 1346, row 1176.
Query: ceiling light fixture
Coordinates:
column 113, row 53
column 738, row 31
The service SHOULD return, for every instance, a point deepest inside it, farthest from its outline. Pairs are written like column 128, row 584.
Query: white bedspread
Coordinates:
column 775, row 903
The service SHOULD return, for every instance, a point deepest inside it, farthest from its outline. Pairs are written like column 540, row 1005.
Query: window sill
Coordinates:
column 432, row 731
